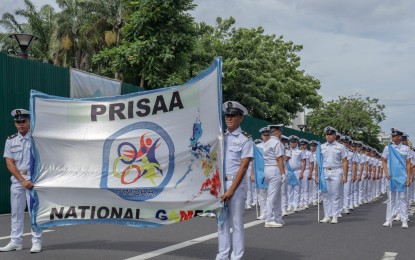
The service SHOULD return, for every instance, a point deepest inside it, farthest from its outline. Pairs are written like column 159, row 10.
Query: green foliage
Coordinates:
column 355, row 116
column 157, row 41
column 261, row 71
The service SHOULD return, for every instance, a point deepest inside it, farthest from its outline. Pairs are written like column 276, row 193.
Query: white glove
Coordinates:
column 284, row 178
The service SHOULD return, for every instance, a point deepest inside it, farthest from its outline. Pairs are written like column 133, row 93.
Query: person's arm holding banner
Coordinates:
column 11, row 166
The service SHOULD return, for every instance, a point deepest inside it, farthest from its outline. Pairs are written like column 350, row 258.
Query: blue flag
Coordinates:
column 321, row 177
column 292, row 179
column 397, row 170
column 260, row 182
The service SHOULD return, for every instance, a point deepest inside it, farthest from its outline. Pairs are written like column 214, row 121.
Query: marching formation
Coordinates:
column 284, row 177
column 287, row 174
column 342, row 174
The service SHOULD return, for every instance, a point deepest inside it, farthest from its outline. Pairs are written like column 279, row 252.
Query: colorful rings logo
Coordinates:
column 136, row 173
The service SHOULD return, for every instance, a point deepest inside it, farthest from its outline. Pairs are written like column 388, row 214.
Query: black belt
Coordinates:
column 332, row 168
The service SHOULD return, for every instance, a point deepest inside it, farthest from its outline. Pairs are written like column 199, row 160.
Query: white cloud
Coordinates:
column 354, row 46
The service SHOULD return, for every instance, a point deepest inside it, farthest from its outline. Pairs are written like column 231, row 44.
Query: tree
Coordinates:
column 261, row 71
column 157, row 41
column 84, row 28
column 355, row 116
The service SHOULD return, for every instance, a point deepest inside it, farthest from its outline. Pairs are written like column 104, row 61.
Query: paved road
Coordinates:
column 357, row 236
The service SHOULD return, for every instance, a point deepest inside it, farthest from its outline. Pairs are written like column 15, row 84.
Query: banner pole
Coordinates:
column 318, row 204
column 256, row 203
column 390, row 208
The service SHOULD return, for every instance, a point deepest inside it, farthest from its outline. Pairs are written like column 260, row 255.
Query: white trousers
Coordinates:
column 294, row 192
column 19, row 197
column 262, row 200
column 273, row 178
column 313, row 191
column 284, row 195
column 356, row 195
column 304, row 189
column 331, row 199
column 250, row 190
column 234, row 220
column 362, row 190
column 347, row 192
column 399, row 205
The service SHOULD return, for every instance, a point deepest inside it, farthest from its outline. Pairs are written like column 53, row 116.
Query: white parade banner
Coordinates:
column 144, row 159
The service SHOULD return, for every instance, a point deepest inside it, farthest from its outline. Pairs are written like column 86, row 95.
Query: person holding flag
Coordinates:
column 332, row 160
column 274, row 175
column 352, row 165
column 397, row 167
column 17, row 154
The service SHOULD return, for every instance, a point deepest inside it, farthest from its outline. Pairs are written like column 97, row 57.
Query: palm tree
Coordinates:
column 9, row 23
column 40, row 23
column 83, row 28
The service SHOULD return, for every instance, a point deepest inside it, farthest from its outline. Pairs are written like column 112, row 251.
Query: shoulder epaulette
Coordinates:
column 12, row 136
column 246, row 134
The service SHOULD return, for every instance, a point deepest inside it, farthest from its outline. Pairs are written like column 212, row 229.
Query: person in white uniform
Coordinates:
column 284, row 192
column 352, row 166
column 17, row 156
column 274, row 175
column 335, row 170
column 398, row 201
column 297, row 164
column 313, row 195
column 251, row 199
column 364, row 164
column 262, row 193
column 308, row 172
column 238, row 149
column 357, row 197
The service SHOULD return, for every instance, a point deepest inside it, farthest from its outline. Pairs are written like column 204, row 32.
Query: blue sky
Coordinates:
column 364, row 47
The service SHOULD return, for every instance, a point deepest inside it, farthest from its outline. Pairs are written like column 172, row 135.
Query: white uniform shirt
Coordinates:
column 237, row 146
column 273, row 149
column 308, row 159
column 333, row 154
column 296, row 158
column 401, row 148
column 363, row 160
column 18, row 148
column 351, row 158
